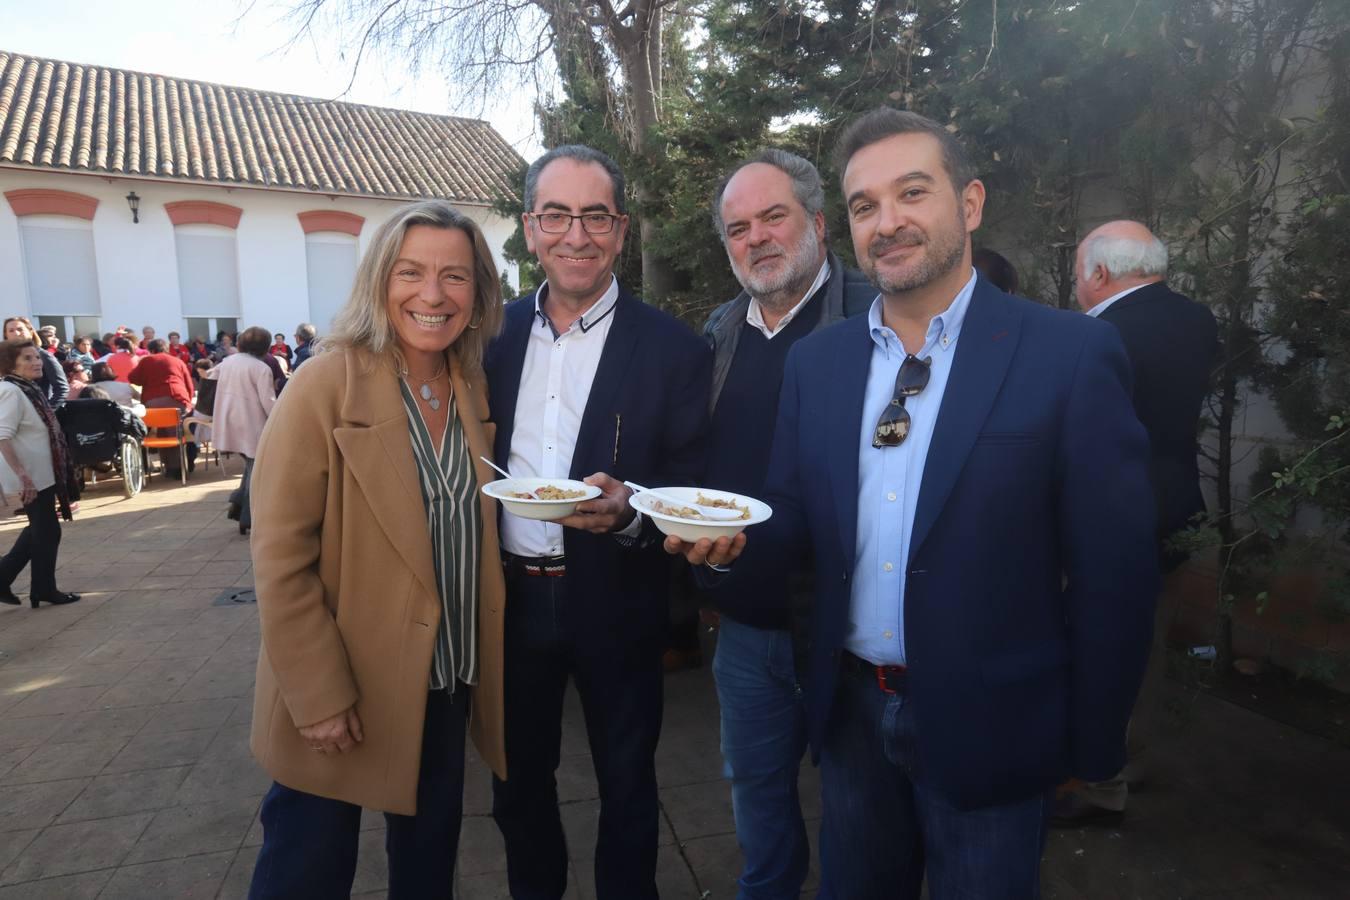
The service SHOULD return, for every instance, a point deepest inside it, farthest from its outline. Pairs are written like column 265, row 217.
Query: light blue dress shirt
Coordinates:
column 889, row 480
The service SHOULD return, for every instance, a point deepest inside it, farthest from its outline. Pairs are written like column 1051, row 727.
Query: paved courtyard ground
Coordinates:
column 124, row 770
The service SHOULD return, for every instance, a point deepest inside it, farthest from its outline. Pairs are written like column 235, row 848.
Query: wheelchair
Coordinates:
column 100, row 435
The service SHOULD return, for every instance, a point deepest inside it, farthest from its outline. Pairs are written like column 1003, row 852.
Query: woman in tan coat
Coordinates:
column 378, row 577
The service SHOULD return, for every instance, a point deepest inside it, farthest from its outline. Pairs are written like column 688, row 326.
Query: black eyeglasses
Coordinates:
column 893, row 426
column 561, row 223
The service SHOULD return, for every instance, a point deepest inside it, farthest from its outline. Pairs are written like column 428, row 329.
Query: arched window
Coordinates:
column 61, row 273
column 208, row 265
column 331, row 254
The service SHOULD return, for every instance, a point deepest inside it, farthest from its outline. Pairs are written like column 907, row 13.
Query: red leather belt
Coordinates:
column 891, row 679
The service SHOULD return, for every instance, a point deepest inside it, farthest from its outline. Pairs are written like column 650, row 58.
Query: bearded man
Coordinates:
column 973, row 486
column 768, row 212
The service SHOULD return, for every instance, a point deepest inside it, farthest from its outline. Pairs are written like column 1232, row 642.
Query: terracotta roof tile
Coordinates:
column 64, row 116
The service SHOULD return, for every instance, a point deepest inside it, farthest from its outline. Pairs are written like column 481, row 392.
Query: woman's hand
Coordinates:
column 337, row 734
column 27, row 490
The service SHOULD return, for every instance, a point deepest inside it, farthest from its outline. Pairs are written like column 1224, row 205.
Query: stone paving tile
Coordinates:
column 126, row 793
column 99, row 845
column 200, row 828
column 220, row 779
column 102, row 723
column 191, row 716
column 158, row 751
column 85, row 886
column 12, row 843
column 235, row 885
column 191, row 878
column 36, row 805
column 54, row 762
column 29, row 731
column 699, row 810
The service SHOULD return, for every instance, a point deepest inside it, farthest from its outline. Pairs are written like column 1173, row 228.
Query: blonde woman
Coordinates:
column 377, row 571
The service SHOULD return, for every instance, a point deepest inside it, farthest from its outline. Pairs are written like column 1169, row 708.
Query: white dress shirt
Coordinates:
column 555, row 383
column 1105, row 304
column 755, row 314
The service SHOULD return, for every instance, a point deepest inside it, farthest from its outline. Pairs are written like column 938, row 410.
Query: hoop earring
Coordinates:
column 473, row 327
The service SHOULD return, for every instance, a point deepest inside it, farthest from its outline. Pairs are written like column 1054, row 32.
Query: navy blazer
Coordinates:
column 655, row 374
column 1171, row 341
column 1033, row 574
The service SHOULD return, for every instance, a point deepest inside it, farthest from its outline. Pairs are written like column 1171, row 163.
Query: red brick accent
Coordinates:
column 203, row 212
column 44, row 201
column 331, row 220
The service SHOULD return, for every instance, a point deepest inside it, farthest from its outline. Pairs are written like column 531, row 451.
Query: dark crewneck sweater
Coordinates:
column 740, row 439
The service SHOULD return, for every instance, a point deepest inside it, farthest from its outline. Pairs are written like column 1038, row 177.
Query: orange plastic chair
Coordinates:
column 167, row 417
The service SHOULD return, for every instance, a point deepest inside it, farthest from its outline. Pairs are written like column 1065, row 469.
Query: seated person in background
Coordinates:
column 200, row 368
column 121, row 393
column 178, row 348
column 165, row 380
column 280, row 348
column 84, row 351
column 122, row 360
column 200, row 349
column 77, row 376
column 131, row 423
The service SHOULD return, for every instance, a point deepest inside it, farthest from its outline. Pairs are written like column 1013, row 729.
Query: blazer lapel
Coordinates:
column 471, row 407
column 380, row 457
column 985, row 348
column 515, row 338
column 853, row 357
column 620, row 344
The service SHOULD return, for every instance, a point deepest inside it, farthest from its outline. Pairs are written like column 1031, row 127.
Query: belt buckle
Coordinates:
column 891, row 679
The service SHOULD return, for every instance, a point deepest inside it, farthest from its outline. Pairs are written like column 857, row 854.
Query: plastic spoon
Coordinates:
column 712, row 513
column 495, row 466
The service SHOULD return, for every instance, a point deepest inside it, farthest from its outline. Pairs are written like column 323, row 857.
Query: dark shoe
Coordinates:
column 1072, row 811
column 233, row 512
column 58, row 599
column 7, row 596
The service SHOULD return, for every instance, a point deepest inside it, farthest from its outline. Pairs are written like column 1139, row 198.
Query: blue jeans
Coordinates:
column 763, row 738
column 883, row 825
column 309, row 842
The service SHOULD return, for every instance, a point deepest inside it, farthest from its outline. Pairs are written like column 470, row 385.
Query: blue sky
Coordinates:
column 242, row 44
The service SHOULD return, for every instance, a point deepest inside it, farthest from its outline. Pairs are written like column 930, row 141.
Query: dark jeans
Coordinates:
column 621, row 698
column 309, row 842
column 36, row 544
column 883, row 825
column 239, row 496
column 763, row 739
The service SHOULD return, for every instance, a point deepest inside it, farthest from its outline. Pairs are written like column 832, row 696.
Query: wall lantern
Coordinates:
column 135, row 203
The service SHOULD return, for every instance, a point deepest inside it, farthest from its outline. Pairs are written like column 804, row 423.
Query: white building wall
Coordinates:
column 137, row 264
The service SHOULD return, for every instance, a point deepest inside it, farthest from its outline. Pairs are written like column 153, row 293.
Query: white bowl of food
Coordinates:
column 546, row 499
column 685, row 521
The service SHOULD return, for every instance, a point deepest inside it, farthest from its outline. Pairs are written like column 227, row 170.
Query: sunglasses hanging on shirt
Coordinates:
column 893, row 426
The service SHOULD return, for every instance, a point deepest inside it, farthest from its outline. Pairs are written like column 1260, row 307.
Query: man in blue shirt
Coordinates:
column 972, row 484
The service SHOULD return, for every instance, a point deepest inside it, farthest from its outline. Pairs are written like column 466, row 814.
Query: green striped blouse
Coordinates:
column 450, row 494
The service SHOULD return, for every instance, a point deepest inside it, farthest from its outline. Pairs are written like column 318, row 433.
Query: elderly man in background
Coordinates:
column 304, row 343
column 1171, row 341
column 768, row 212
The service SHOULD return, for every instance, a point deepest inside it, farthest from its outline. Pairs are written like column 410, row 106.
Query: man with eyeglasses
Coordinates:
column 973, row 485
column 587, row 381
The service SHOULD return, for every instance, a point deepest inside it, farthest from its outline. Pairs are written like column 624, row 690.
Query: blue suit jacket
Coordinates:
column 1032, row 579
column 656, row 374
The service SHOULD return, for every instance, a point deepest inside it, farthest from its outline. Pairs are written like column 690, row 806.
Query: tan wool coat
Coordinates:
column 346, row 587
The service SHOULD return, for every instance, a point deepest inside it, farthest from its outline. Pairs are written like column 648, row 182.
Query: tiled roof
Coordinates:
column 61, row 116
